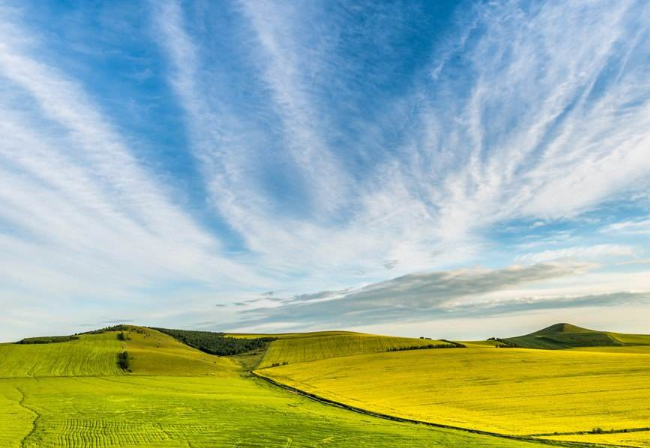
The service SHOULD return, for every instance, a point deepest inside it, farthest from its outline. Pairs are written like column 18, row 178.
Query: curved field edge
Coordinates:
column 494, row 390
column 394, row 418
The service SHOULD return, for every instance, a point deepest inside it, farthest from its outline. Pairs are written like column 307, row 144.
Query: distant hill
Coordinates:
column 323, row 345
column 564, row 336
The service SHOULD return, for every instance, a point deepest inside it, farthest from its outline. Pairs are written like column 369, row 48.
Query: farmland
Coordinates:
column 176, row 396
column 89, row 355
column 507, row 391
column 77, row 392
column 204, row 412
column 315, row 346
column 562, row 336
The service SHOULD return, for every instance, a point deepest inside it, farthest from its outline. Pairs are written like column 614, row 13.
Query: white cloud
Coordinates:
column 81, row 217
column 632, row 227
column 536, row 131
column 549, row 119
column 596, row 252
column 414, row 296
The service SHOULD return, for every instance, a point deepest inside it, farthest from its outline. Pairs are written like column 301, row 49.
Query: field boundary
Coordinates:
column 358, row 410
column 21, row 402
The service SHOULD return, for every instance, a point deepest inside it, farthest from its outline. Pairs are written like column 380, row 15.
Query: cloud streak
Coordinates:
column 294, row 147
column 413, row 297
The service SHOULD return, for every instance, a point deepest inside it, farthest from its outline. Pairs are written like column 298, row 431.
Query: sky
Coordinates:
column 458, row 169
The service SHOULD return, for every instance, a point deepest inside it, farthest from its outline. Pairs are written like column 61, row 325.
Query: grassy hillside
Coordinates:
column 631, row 339
column 511, row 391
column 93, row 354
column 184, row 398
column 149, row 352
column 154, row 353
column 323, row 345
column 562, row 336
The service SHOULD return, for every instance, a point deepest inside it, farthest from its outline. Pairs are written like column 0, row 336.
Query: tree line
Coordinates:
column 47, row 339
column 447, row 344
column 216, row 343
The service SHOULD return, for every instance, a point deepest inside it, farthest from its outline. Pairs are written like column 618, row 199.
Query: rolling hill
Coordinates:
column 563, row 336
column 74, row 393
column 571, row 387
column 323, row 345
column 89, row 355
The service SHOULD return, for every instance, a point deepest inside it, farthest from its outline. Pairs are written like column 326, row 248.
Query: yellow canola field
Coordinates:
column 508, row 391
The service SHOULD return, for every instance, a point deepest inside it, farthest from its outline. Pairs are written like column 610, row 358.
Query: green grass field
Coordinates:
column 154, row 353
column 314, row 346
column 75, row 396
column 508, row 391
column 127, row 411
column 93, row 354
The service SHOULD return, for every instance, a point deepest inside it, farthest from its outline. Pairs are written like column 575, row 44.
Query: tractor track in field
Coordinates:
column 528, row 438
column 21, row 402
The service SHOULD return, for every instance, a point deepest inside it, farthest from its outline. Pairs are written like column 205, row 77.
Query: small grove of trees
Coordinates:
column 504, row 343
column 116, row 328
column 121, row 336
column 216, row 343
column 448, row 344
column 454, row 343
column 123, row 361
column 47, row 339
column 278, row 364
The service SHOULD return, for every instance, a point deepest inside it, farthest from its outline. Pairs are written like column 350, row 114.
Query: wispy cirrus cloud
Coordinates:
column 540, row 110
column 295, row 147
column 598, row 251
column 81, row 216
column 630, row 227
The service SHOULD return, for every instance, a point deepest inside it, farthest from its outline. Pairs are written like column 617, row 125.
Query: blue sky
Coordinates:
column 454, row 169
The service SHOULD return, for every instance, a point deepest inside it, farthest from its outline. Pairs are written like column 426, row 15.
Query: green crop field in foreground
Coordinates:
column 509, row 391
column 208, row 402
column 315, row 346
column 129, row 411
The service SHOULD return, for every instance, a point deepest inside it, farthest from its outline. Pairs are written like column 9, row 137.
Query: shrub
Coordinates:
column 123, row 361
